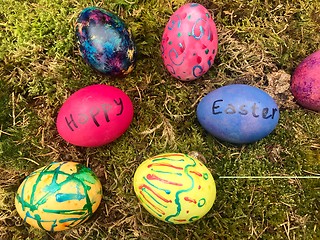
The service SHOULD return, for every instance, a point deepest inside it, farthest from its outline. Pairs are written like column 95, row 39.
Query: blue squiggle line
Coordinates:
column 176, row 56
column 194, row 71
column 173, row 22
column 200, row 27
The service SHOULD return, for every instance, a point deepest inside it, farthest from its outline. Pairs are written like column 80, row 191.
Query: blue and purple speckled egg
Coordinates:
column 238, row 113
column 105, row 42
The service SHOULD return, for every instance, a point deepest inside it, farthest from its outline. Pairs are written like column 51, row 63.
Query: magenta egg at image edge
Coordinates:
column 238, row 113
column 189, row 42
column 94, row 116
column 305, row 82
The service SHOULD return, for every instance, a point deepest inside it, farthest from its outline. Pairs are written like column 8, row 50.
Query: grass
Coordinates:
column 260, row 43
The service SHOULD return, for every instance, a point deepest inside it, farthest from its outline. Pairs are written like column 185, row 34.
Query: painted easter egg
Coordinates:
column 238, row 113
column 105, row 42
column 94, row 115
column 190, row 42
column 305, row 82
column 175, row 187
column 58, row 196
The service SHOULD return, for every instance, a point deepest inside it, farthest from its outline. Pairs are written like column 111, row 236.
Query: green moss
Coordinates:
column 40, row 67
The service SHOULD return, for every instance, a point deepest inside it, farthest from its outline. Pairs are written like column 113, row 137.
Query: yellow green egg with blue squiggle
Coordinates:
column 174, row 187
column 58, row 196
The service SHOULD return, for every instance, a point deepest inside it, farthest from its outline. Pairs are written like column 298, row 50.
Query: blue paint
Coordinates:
column 194, row 71
column 200, row 28
column 63, row 197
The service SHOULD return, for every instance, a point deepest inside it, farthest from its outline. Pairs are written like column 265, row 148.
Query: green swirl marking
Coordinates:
column 177, row 197
column 193, row 218
column 81, row 178
column 201, row 202
column 205, row 176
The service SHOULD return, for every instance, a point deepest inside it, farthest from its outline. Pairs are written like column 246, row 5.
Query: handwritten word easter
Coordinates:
column 83, row 118
column 244, row 110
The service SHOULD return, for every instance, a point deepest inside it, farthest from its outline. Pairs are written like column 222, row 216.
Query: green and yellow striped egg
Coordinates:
column 175, row 187
column 58, row 196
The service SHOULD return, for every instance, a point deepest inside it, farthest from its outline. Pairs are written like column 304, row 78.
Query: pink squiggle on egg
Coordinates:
column 154, row 177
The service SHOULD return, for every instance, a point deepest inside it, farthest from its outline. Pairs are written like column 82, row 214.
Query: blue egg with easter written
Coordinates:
column 105, row 42
column 238, row 113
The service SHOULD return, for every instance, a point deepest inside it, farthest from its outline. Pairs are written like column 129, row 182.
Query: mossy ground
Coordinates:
column 260, row 43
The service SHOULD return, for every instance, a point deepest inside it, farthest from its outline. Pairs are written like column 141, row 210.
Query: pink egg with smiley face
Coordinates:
column 94, row 116
column 189, row 42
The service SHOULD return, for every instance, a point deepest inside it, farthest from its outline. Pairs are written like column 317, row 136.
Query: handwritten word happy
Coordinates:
column 75, row 120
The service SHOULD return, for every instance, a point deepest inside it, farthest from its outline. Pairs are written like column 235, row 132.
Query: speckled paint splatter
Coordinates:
column 104, row 41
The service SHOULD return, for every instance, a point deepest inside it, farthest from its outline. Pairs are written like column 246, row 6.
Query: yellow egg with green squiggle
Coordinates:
column 58, row 196
column 175, row 187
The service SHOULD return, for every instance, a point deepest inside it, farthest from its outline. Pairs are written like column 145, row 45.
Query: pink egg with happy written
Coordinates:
column 94, row 116
column 189, row 42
